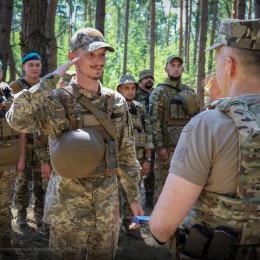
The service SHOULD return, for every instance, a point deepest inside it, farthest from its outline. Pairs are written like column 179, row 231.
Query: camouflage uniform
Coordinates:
column 237, row 210
column 9, row 151
column 168, row 115
column 32, row 171
column 143, row 97
column 143, row 142
column 87, row 206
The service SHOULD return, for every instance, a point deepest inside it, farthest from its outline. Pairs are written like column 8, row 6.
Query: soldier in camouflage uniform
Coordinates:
column 9, row 151
column 143, row 139
column 171, row 105
column 213, row 185
column 83, row 213
column 146, row 81
column 28, row 165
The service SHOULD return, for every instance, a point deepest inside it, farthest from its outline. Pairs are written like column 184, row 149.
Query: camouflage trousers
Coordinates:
column 7, row 180
column 161, row 170
column 80, row 244
column 32, row 172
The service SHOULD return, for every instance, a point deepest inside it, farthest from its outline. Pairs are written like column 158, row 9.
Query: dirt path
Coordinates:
column 31, row 243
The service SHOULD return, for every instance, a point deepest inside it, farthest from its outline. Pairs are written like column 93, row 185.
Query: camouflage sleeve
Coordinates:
column 35, row 109
column 129, row 168
column 42, row 147
column 148, row 131
column 156, row 116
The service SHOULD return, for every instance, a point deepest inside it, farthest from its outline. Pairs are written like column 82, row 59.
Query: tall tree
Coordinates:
column 250, row 9
column 234, row 9
column 197, row 32
column 6, row 14
column 257, row 9
column 241, row 9
column 33, row 33
column 181, row 29
column 212, row 34
column 100, row 15
column 152, row 40
column 51, row 39
column 202, row 46
column 168, row 25
column 126, row 35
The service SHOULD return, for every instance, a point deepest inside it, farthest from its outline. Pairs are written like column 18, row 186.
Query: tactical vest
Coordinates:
column 241, row 213
column 9, row 143
column 181, row 105
column 138, row 122
column 81, row 120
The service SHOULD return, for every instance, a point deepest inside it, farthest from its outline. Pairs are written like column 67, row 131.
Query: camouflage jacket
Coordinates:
column 241, row 212
column 161, row 108
column 143, row 97
column 87, row 203
column 142, row 129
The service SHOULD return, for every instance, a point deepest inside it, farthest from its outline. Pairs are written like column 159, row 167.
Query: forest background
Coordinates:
column 143, row 32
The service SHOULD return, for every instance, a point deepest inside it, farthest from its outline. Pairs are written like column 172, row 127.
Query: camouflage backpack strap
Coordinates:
column 101, row 116
column 67, row 102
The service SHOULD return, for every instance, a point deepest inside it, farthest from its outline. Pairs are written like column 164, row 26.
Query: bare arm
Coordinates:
column 175, row 202
column 21, row 161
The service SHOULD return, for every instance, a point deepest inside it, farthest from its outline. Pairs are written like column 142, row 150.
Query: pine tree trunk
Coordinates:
column 52, row 43
column 33, row 33
column 241, row 9
column 126, row 36
column 152, row 39
column 202, row 46
column 6, row 14
column 181, row 29
column 100, row 16
column 257, row 9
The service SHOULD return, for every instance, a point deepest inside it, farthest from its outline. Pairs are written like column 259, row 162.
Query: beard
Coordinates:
column 149, row 85
column 173, row 77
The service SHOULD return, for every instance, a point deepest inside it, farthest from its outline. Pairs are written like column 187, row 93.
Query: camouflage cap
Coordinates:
column 66, row 78
column 243, row 34
column 125, row 79
column 145, row 73
column 89, row 39
column 173, row 56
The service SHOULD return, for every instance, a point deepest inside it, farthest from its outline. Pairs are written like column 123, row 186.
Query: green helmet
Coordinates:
column 77, row 153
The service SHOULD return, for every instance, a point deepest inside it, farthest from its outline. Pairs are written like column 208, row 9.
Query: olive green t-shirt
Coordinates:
column 207, row 153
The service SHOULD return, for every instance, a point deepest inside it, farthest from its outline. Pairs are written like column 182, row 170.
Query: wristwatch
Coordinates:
column 148, row 159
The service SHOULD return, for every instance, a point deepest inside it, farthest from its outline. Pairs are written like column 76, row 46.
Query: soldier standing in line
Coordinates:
column 146, row 81
column 9, row 152
column 143, row 140
column 93, row 121
column 212, row 191
column 28, row 165
column 171, row 105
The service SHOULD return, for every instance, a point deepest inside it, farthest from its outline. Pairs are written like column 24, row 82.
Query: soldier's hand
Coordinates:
column 46, row 171
column 163, row 154
column 146, row 166
column 60, row 71
column 137, row 211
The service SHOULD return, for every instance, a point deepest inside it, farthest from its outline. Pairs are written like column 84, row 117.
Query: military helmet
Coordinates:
column 77, row 153
column 125, row 79
column 190, row 102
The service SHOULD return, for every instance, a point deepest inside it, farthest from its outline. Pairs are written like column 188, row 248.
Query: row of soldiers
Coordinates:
column 158, row 116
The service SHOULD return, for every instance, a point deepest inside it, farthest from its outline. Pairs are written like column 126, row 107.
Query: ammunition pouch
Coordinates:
column 201, row 243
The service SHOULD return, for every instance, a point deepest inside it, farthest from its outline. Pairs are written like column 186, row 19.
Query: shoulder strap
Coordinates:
column 101, row 116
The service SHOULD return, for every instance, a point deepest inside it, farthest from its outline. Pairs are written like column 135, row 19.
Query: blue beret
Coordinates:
column 31, row 56
column 1, row 65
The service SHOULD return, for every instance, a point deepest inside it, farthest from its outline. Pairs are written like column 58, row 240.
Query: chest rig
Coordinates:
column 138, row 121
column 81, row 116
column 180, row 105
column 241, row 213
